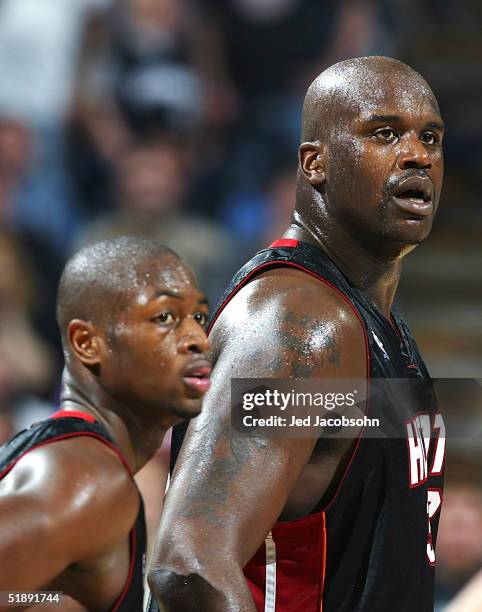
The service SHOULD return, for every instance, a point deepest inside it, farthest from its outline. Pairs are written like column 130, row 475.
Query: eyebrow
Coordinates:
column 436, row 125
column 166, row 293
column 387, row 118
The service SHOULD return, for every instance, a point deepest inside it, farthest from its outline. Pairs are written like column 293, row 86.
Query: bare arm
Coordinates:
column 56, row 509
column 228, row 490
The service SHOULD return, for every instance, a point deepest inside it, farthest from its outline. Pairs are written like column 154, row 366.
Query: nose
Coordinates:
column 193, row 338
column 413, row 153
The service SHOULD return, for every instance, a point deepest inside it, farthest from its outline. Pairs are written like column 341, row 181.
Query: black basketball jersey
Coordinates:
column 70, row 424
column 371, row 548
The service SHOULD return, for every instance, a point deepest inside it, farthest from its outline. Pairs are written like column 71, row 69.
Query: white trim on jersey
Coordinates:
column 270, row 590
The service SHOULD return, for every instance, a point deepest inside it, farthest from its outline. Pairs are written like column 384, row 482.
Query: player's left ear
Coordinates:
column 85, row 341
column 311, row 161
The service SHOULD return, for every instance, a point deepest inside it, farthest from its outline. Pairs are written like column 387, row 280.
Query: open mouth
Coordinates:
column 415, row 199
column 417, row 195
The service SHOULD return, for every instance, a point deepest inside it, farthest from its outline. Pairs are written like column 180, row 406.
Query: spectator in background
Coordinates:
column 16, row 160
column 259, row 48
column 152, row 178
column 138, row 75
column 15, row 154
column 141, row 56
column 39, row 46
column 27, row 365
column 156, row 79
column 459, row 544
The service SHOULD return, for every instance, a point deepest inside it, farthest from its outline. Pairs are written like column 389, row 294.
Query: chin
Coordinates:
column 189, row 409
column 412, row 233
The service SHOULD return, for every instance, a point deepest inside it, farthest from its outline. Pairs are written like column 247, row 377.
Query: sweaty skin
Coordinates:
column 369, row 124
column 67, row 508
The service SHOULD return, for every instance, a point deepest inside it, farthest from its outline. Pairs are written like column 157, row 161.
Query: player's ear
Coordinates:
column 312, row 163
column 85, row 341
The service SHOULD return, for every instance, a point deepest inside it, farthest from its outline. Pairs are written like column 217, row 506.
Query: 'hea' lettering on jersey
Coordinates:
column 420, row 434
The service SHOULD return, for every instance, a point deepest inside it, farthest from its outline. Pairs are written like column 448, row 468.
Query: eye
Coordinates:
column 165, row 318
column 387, row 133
column 201, row 318
column 429, row 138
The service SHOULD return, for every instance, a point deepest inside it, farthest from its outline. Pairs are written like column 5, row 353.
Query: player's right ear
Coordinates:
column 311, row 160
column 84, row 341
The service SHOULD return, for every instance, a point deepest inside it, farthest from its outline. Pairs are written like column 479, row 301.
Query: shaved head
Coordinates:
column 344, row 88
column 370, row 124
column 97, row 281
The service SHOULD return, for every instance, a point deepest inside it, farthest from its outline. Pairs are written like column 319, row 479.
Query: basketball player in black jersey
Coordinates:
column 300, row 524
column 71, row 518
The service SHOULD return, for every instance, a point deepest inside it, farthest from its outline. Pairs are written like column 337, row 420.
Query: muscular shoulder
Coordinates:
column 284, row 290
column 75, row 487
column 287, row 323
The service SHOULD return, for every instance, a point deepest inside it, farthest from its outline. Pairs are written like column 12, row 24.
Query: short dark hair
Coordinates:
column 96, row 280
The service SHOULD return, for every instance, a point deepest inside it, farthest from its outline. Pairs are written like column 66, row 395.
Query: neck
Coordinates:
column 138, row 441
column 376, row 275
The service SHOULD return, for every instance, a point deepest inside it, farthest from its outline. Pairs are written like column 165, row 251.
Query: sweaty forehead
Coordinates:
column 168, row 274
column 361, row 88
column 391, row 92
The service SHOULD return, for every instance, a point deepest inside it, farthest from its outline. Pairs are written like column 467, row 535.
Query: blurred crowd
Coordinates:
column 180, row 119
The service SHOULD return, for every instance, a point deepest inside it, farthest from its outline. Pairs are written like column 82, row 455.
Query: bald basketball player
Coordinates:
column 71, row 518
column 302, row 524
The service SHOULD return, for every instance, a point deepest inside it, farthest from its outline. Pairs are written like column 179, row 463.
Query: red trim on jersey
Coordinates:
column 323, row 562
column 90, row 434
column 130, row 574
column 300, row 563
column 124, row 463
column 77, row 414
column 284, row 242
column 50, row 441
column 60, row 414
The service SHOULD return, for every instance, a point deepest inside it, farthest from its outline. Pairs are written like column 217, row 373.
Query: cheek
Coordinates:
column 343, row 166
column 348, row 151
column 359, row 171
column 144, row 349
column 374, row 180
column 163, row 350
column 438, row 172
